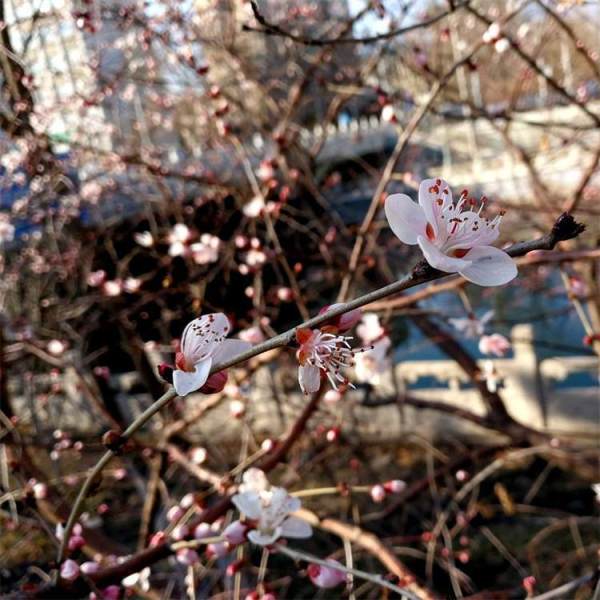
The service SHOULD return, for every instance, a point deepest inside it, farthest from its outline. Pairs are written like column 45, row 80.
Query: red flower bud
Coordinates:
column 165, row 372
column 215, row 383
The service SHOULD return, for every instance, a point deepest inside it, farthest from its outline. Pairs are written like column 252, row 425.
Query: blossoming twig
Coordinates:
column 377, row 579
column 564, row 228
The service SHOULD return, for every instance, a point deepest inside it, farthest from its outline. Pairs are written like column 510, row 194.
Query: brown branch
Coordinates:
column 268, row 28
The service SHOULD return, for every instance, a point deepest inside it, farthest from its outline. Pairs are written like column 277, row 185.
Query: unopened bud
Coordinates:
column 215, row 383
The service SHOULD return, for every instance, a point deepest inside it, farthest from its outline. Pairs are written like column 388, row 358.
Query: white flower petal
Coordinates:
column 229, row 349
column 263, row 539
column 429, row 202
column 439, row 260
column 489, row 266
column 294, row 527
column 309, row 378
column 405, row 217
column 248, row 503
column 254, row 480
column 185, row 382
column 202, row 336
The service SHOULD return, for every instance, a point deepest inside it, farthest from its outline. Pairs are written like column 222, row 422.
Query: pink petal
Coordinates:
column 405, row 217
column 309, row 378
column 489, row 266
column 439, row 260
column 228, row 349
column 185, row 382
column 202, row 336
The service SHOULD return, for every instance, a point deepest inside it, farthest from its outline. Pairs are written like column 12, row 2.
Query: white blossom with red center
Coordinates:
column 322, row 352
column 203, row 344
column 452, row 236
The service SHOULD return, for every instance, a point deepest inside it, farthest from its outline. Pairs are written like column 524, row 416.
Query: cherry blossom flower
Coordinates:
column 203, row 344
column 388, row 114
column 56, row 347
column 40, row 490
column 7, row 230
column 452, row 239
column 372, row 363
column 253, row 208
column 322, row 352
column 254, row 480
column 112, row 288
column 378, row 493
column 144, row 239
column 132, row 284
column 491, row 34
column 270, row 510
column 471, row 326
column 179, row 233
column 198, row 455
column 96, row 278
column 495, row 344
column 140, row 580
column 491, row 377
column 326, row 577
column 370, row 329
column 206, row 250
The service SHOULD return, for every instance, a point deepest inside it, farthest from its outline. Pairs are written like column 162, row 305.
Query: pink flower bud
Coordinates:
column 76, row 542
column 218, row 550
column 187, row 557
column 69, row 570
column 203, row 530
column 96, row 278
column 332, row 434
column 174, row 514
column 326, row 577
column 345, row 321
column 461, row 475
column 332, row 396
column 180, row 532
column 165, row 372
column 395, row 486
column 158, row 538
column 267, row 445
column 494, row 344
column 187, row 501
column 529, row 584
column 198, row 455
column 40, row 491
column 237, row 409
column 234, row 567
column 112, row 592
column 215, row 383
column 285, row 294
column 235, row 533
column 89, row 567
column 378, row 493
